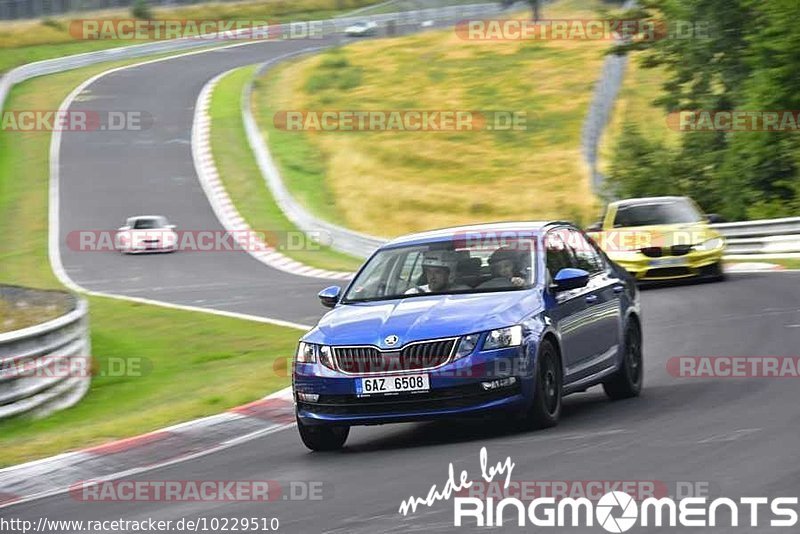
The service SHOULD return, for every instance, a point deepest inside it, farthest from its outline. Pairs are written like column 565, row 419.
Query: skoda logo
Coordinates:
column 391, row 341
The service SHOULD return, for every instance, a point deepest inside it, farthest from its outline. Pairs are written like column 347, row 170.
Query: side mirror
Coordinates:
column 713, row 218
column 123, row 228
column 596, row 227
column 170, row 227
column 330, row 296
column 570, row 278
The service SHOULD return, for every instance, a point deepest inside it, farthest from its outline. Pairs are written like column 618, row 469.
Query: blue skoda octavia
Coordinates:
column 502, row 318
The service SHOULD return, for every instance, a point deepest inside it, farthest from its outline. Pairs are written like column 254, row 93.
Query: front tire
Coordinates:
column 717, row 272
column 323, row 437
column 627, row 381
column 546, row 408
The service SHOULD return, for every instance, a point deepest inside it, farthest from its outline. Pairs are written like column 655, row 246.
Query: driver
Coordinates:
column 440, row 272
column 504, row 262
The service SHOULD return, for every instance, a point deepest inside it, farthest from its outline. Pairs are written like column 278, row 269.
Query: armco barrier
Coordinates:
column 342, row 239
column 772, row 237
column 46, row 367
column 329, row 27
column 605, row 96
column 348, row 241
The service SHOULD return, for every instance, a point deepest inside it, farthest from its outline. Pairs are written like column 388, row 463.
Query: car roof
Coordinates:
column 645, row 200
column 147, row 217
column 444, row 234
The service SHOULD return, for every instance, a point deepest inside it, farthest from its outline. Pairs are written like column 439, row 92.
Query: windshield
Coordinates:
column 653, row 213
column 148, row 224
column 442, row 268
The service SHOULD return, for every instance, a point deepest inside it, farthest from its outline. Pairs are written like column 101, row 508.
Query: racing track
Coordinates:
column 107, row 176
column 741, row 436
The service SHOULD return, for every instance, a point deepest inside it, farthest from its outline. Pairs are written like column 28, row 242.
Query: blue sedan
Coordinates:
column 473, row 321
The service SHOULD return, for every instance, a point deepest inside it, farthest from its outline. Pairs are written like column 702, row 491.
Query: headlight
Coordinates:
column 503, row 337
column 625, row 255
column 307, row 352
column 311, row 353
column 466, row 345
column 711, row 244
column 326, row 356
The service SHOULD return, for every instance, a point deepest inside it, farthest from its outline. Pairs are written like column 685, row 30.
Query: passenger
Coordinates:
column 439, row 267
column 504, row 263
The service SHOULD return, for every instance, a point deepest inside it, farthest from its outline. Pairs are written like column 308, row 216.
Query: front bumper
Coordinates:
column 694, row 264
column 147, row 248
column 456, row 390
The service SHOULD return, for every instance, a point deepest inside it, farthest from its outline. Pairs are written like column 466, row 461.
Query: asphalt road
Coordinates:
column 737, row 435
column 741, row 436
column 106, row 176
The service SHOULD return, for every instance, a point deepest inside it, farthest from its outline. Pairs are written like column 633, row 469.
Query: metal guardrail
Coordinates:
column 774, row 237
column 46, row 367
column 605, row 95
column 328, row 27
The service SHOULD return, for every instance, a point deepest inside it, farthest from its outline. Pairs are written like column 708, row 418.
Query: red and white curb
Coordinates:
column 221, row 202
column 160, row 448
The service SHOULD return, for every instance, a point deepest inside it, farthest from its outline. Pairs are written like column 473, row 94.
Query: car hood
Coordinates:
column 151, row 233
column 661, row 235
column 424, row 317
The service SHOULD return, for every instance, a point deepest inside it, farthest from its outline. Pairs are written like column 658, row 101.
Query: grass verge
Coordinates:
column 188, row 364
column 390, row 182
column 34, row 40
column 245, row 185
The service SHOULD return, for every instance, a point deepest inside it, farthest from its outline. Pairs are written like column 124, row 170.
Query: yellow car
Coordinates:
column 661, row 238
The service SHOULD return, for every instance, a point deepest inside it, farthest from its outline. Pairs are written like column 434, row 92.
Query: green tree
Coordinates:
column 141, row 10
column 743, row 56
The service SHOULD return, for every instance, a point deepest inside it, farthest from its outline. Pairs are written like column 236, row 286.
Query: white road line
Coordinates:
column 222, row 205
column 54, row 252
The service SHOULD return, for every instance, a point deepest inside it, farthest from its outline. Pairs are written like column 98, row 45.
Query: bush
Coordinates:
column 52, row 23
column 141, row 10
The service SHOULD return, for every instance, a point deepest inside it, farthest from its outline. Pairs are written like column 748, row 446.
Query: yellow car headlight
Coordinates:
column 711, row 244
column 626, row 255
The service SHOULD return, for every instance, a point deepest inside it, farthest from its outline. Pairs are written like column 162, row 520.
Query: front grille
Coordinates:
column 669, row 272
column 674, row 250
column 681, row 250
column 449, row 398
column 653, row 252
column 413, row 357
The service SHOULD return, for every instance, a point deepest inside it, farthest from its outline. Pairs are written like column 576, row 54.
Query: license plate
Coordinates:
column 392, row 384
column 668, row 262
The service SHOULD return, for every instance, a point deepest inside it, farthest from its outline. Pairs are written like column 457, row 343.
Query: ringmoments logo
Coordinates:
column 615, row 511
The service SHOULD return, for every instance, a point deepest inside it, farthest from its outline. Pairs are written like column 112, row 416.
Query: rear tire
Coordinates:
column 323, row 437
column 546, row 408
column 627, row 381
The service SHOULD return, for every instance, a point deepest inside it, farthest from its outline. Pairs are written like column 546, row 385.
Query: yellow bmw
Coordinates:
column 661, row 238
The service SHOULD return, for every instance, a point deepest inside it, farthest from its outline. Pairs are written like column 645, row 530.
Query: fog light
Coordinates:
column 308, row 397
column 500, row 383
